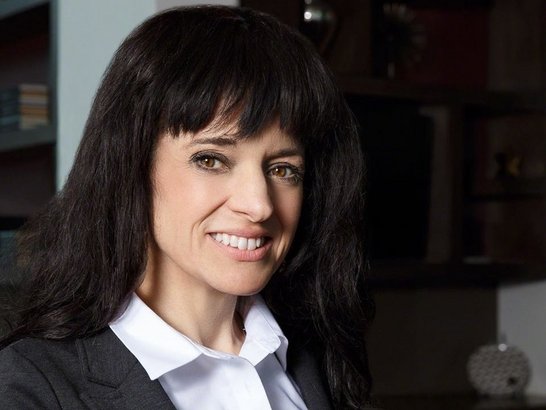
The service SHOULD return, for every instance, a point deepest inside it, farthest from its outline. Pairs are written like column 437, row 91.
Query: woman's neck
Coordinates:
column 202, row 314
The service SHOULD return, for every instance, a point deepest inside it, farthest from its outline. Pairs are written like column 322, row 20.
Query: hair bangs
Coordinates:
column 244, row 75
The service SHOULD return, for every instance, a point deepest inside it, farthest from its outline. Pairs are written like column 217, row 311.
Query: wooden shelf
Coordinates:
column 419, row 274
column 448, row 4
column 14, row 140
column 9, row 8
column 490, row 102
column 461, row 402
column 510, row 188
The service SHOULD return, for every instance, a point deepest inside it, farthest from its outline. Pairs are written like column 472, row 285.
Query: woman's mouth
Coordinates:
column 239, row 242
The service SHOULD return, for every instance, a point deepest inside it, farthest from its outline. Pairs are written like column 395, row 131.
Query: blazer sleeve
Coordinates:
column 22, row 383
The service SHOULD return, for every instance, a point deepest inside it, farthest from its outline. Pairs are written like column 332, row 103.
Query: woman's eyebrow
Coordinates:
column 227, row 141
column 287, row 152
column 222, row 141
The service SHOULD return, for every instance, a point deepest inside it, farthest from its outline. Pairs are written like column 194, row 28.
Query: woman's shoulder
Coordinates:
column 90, row 372
column 41, row 373
column 39, row 353
column 26, row 369
column 31, row 345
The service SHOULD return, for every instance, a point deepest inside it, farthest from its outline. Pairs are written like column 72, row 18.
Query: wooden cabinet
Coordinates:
column 446, row 113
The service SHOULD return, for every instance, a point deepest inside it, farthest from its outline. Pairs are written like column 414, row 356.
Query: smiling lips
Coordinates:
column 238, row 242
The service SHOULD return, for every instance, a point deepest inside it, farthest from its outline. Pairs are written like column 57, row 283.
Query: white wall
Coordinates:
column 88, row 33
column 522, row 320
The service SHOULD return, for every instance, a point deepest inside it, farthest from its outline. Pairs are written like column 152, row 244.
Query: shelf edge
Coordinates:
column 13, row 7
column 14, row 140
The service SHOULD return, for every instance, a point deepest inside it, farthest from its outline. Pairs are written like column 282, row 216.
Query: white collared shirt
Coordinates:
column 194, row 376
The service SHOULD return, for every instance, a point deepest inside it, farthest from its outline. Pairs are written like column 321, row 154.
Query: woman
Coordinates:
column 219, row 161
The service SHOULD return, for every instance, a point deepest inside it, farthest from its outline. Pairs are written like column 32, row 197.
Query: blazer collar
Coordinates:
column 115, row 377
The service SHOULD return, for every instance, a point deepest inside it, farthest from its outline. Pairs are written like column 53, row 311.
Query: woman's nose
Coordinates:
column 251, row 197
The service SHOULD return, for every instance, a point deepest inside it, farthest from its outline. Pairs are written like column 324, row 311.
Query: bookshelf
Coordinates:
column 462, row 203
column 462, row 97
column 27, row 156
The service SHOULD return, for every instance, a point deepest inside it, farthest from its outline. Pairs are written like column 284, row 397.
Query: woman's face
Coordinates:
column 225, row 210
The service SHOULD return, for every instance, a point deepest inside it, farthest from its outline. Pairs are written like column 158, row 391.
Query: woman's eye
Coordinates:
column 282, row 172
column 209, row 162
column 286, row 172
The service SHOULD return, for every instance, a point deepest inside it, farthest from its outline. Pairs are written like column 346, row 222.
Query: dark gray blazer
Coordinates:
column 100, row 373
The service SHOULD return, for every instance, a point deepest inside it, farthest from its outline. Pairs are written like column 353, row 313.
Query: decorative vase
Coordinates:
column 498, row 370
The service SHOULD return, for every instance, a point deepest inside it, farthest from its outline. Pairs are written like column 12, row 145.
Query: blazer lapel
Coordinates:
column 115, row 377
column 305, row 370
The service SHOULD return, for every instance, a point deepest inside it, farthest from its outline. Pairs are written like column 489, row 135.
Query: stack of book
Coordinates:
column 23, row 107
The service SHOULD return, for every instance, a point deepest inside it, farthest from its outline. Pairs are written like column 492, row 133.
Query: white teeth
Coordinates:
column 242, row 243
column 239, row 242
column 251, row 245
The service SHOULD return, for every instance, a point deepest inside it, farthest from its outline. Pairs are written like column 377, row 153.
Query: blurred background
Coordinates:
column 450, row 99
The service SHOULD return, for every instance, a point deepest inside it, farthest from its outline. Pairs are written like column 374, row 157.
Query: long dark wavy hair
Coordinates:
column 179, row 70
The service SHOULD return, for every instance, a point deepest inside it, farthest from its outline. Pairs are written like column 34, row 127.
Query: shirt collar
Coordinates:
column 263, row 334
column 160, row 348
